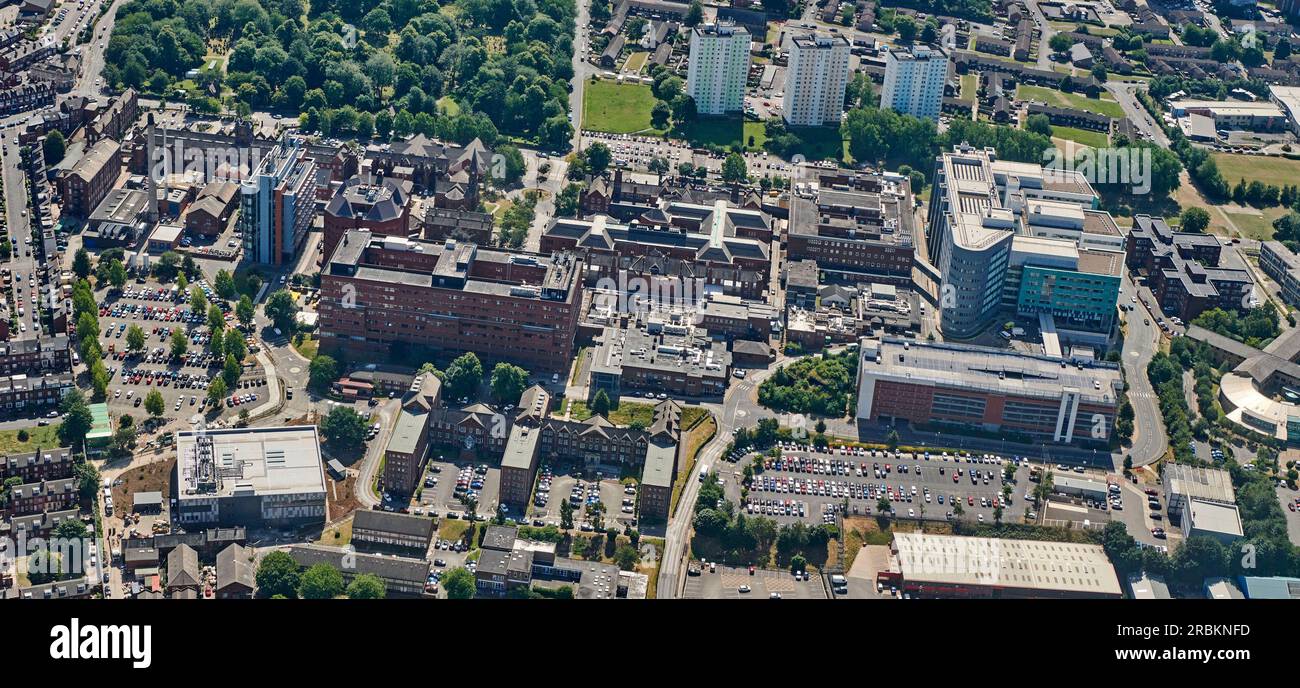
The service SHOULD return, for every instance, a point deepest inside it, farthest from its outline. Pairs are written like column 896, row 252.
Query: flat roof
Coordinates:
column 521, row 448
column 262, row 461
column 987, row 369
column 1213, row 517
column 406, row 434
column 992, row 562
column 1203, row 483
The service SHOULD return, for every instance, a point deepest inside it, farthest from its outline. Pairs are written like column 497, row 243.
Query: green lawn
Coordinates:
column 629, row 411
column 38, row 436
column 970, row 84
column 1253, row 225
column 1103, row 106
column 618, row 108
column 1094, row 139
column 725, row 132
column 1267, row 169
column 448, row 106
column 636, row 61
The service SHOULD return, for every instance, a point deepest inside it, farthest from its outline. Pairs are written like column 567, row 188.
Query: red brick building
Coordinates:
column 379, row 205
column 380, row 292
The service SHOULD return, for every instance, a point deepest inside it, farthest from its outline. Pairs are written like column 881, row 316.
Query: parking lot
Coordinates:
column 635, row 153
column 1291, row 510
column 446, row 481
column 554, row 489
column 729, row 583
column 183, row 382
column 809, row 485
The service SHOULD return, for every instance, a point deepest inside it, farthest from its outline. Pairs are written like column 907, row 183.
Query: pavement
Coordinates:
column 1140, row 344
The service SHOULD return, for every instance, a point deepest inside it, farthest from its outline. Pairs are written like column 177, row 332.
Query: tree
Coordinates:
column 224, row 283
column 1039, row 124
column 508, row 382
column 216, row 392
column 694, row 14
column 598, row 158
column 344, row 428
column 87, row 477
column 278, row 575
column 600, row 403
column 626, row 557
column 134, row 338
column 281, row 309
column 459, row 584
column 798, row 563
column 906, row 28
column 244, row 311
column 566, row 515
column 55, row 147
column 322, row 372
column 216, row 320
column 81, row 264
column 1060, row 42
column 198, row 302
column 87, row 327
column 883, row 505
column 660, row 115
column 1194, row 219
column 892, row 439
column 154, row 404
column 734, row 170
column 320, row 582
column 234, row 345
column 77, row 418
column 71, row 529
column 231, row 370
column 99, row 379
column 367, row 586
column 179, row 344
column 464, row 375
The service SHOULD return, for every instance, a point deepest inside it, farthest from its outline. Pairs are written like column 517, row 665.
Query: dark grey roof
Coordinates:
column 234, row 567
column 182, row 567
column 404, row 569
column 399, row 524
column 499, row 538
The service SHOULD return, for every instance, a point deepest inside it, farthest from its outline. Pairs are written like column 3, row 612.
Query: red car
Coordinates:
column 751, row 570
column 970, row 501
column 956, row 478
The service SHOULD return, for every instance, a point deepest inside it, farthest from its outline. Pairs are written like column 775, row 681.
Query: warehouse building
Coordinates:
column 252, row 477
column 1182, row 482
column 949, row 566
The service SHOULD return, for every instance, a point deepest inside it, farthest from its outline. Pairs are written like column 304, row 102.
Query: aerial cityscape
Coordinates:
column 649, row 299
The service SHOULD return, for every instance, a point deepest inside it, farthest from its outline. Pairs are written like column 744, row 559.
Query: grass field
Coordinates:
column 630, row 411
column 1267, row 169
column 448, row 106
column 970, row 84
column 1103, row 106
column 38, row 436
column 725, row 132
column 1093, row 139
column 636, row 61
column 1254, row 224
column 618, row 108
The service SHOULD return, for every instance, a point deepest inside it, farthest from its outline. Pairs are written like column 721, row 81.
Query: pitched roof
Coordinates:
column 183, row 567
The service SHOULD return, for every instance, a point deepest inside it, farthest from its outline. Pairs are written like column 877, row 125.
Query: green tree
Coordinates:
column 99, row 379
column 71, row 529
column 244, row 311
column 179, row 344
column 459, row 584
column 217, row 391
column 626, row 557
column 464, row 375
column 344, row 428
column 892, row 440
column 234, row 345
column 600, row 403
column 116, row 274
column 134, row 338
column 322, row 372
column 1060, row 42
column 278, row 575
column 695, row 13
column 77, row 418
column 224, row 284
column 154, row 404
column 367, row 586
column 81, row 264
column 508, row 382
column 1039, row 124
column 216, row 320
column 198, row 302
column 320, row 582
column 1194, row 219
column 231, row 370
column 281, row 309
column 55, row 147
column 734, row 170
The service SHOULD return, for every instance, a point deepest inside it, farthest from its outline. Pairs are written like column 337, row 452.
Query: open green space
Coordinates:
column 37, row 436
column 1093, row 139
column 723, row 131
column 1104, row 105
column 1266, row 169
column 618, row 108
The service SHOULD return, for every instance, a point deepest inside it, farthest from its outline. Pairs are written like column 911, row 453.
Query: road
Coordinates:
column 582, row 70
column 1045, row 33
column 1123, row 93
column 1143, row 337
